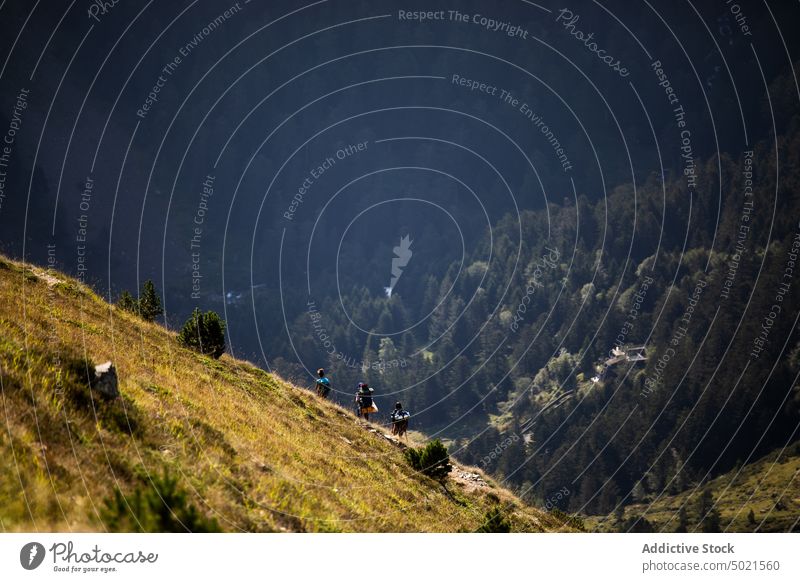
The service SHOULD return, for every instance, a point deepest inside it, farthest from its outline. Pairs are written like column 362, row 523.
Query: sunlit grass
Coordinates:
column 255, row 453
column 770, row 487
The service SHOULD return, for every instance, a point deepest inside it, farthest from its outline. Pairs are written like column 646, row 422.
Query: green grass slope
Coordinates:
column 769, row 487
column 234, row 446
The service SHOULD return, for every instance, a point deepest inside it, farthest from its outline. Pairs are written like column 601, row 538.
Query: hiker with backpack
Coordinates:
column 323, row 384
column 399, row 419
column 365, row 405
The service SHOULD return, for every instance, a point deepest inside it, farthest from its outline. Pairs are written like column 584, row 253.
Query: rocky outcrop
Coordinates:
column 105, row 380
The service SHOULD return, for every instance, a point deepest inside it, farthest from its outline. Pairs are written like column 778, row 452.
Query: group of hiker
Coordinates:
column 365, row 404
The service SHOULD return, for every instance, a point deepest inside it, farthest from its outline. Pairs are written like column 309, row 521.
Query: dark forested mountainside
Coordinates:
column 701, row 278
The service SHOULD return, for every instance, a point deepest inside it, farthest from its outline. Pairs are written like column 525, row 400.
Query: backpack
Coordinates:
column 324, row 385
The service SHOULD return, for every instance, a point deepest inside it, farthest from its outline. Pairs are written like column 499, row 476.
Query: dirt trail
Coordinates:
column 469, row 480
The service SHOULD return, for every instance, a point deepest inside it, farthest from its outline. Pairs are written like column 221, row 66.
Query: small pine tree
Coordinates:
column 204, row 333
column 683, row 520
column 495, row 521
column 128, row 303
column 619, row 514
column 150, row 303
column 708, row 513
column 433, row 460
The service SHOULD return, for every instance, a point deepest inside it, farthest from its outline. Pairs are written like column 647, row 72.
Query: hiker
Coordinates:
column 399, row 420
column 323, row 384
column 364, row 403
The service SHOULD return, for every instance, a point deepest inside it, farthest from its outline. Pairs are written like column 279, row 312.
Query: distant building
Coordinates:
column 618, row 356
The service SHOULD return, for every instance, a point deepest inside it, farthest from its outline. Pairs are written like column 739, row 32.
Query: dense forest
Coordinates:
column 511, row 366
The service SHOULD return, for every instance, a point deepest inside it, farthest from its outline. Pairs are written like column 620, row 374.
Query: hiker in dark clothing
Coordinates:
column 364, row 403
column 323, row 384
column 399, row 419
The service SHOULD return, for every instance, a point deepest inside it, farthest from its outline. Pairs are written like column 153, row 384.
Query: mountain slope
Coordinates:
column 769, row 487
column 249, row 450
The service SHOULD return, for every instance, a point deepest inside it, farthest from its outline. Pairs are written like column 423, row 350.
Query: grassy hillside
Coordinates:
column 770, row 487
column 248, row 450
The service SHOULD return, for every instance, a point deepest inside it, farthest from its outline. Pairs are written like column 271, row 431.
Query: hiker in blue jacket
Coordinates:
column 323, row 384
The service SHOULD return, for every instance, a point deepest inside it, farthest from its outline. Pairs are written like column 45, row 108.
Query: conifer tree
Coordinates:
column 128, row 303
column 708, row 513
column 683, row 520
column 150, row 303
column 204, row 333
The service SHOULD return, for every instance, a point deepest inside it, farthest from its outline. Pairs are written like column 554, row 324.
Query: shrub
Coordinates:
column 495, row 521
column 128, row 303
column 160, row 507
column 432, row 460
column 204, row 332
column 148, row 306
